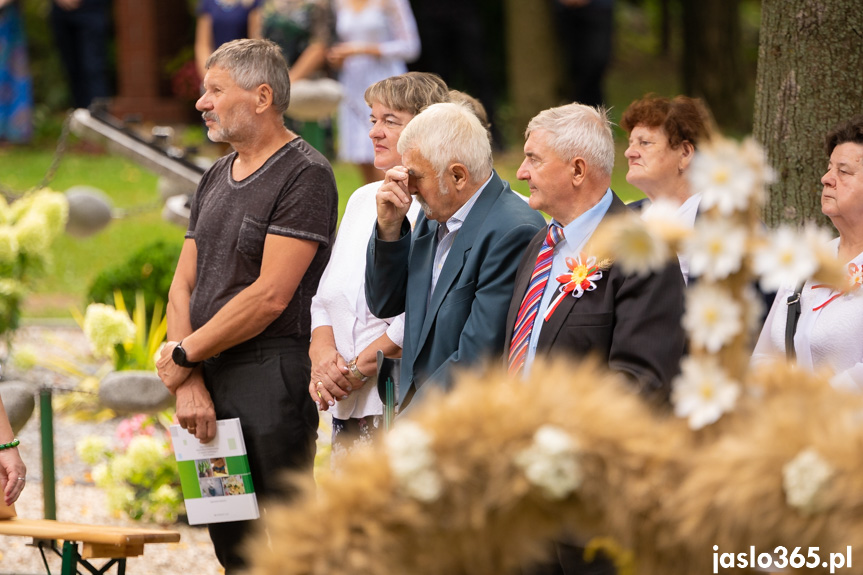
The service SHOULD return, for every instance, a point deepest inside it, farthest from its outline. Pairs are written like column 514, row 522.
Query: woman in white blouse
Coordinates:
column 828, row 330
column 345, row 334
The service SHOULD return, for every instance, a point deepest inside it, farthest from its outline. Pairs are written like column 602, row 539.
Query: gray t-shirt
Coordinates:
column 293, row 195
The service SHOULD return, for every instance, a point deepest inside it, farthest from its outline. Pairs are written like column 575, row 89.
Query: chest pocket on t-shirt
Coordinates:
column 253, row 232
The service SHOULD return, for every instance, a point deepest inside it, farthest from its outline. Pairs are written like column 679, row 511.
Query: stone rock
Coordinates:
column 89, row 211
column 19, row 399
column 134, row 392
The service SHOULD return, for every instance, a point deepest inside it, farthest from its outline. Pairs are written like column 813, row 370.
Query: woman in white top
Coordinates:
column 375, row 38
column 828, row 329
column 345, row 334
column 663, row 137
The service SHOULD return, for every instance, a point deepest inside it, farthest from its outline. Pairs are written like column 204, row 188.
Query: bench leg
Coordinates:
column 70, row 558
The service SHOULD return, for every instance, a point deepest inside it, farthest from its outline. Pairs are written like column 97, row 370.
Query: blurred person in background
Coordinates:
column 663, row 137
column 457, row 47
column 16, row 87
column 304, row 29
column 345, row 334
column 585, row 29
column 827, row 330
column 82, row 30
column 374, row 40
column 221, row 21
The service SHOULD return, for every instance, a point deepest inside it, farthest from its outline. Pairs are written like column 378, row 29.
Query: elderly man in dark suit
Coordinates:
column 453, row 275
column 631, row 323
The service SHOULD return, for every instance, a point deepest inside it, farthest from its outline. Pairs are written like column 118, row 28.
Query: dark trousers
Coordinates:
column 265, row 384
column 585, row 36
column 82, row 38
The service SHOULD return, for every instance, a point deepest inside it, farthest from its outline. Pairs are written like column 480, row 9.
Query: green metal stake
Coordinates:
column 46, row 424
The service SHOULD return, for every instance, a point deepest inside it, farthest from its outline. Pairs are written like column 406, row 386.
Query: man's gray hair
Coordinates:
column 446, row 133
column 255, row 62
column 576, row 130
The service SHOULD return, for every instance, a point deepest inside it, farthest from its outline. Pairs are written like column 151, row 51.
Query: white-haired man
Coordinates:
column 262, row 225
column 631, row 323
column 453, row 275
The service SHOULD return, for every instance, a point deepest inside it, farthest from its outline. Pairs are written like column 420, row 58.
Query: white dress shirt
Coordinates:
column 827, row 338
column 447, row 233
column 340, row 301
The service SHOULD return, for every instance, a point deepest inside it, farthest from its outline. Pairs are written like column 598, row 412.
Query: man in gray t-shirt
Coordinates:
column 262, row 225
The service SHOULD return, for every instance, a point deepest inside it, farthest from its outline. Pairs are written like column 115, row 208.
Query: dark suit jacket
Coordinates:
column 464, row 321
column 630, row 322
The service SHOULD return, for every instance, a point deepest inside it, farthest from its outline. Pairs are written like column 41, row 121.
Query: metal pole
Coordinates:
column 46, row 425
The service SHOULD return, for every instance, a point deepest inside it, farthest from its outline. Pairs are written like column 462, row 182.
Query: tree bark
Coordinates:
column 712, row 62
column 810, row 63
column 533, row 70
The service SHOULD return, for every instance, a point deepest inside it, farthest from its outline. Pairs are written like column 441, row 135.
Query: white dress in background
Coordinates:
column 390, row 24
column 829, row 337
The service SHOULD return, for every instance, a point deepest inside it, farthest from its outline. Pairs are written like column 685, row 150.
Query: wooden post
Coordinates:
column 149, row 34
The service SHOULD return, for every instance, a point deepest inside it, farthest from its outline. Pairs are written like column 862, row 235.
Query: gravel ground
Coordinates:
column 78, row 500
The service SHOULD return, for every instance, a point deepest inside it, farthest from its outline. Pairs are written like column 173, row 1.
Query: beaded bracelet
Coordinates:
column 11, row 444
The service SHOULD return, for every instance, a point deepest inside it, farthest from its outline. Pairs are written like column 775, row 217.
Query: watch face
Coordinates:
column 179, row 356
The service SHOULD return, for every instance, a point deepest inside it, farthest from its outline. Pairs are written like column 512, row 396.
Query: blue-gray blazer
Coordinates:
column 465, row 320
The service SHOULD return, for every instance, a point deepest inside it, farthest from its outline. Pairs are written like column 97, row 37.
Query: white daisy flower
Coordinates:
column 713, row 317
column 723, row 176
column 639, row 251
column 703, row 392
column 551, row 462
column 412, row 461
column 715, row 249
column 804, row 477
column 786, row 258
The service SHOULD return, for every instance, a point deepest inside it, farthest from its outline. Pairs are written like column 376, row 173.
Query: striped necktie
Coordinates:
column 530, row 304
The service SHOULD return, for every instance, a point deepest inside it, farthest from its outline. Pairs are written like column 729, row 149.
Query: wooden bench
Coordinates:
column 98, row 542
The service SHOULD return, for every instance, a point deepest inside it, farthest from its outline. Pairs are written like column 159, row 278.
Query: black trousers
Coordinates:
column 585, row 36
column 265, row 384
column 82, row 37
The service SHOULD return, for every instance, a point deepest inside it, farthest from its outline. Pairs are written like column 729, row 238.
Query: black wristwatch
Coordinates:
column 179, row 357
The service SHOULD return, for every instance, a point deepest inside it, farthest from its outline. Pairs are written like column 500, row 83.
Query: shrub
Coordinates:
column 137, row 471
column 149, row 271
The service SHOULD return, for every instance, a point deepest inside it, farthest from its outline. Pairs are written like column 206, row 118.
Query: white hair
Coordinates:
column 446, row 133
column 576, row 130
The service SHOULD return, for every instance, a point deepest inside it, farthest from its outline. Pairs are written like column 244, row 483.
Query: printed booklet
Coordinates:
column 215, row 477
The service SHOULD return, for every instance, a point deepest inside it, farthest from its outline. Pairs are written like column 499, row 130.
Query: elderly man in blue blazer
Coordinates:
column 453, row 274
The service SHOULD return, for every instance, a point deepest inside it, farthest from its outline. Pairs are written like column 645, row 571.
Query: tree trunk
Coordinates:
column 532, row 60
column 664, row 27
column 712, row 61
column 809, row 79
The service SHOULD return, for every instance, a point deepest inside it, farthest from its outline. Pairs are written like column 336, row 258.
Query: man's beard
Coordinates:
column 442, row 191
column 219, row 132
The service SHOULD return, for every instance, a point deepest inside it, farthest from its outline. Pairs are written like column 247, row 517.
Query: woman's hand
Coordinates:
column 338, row 53
column 13, row 474
column 329, row 381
